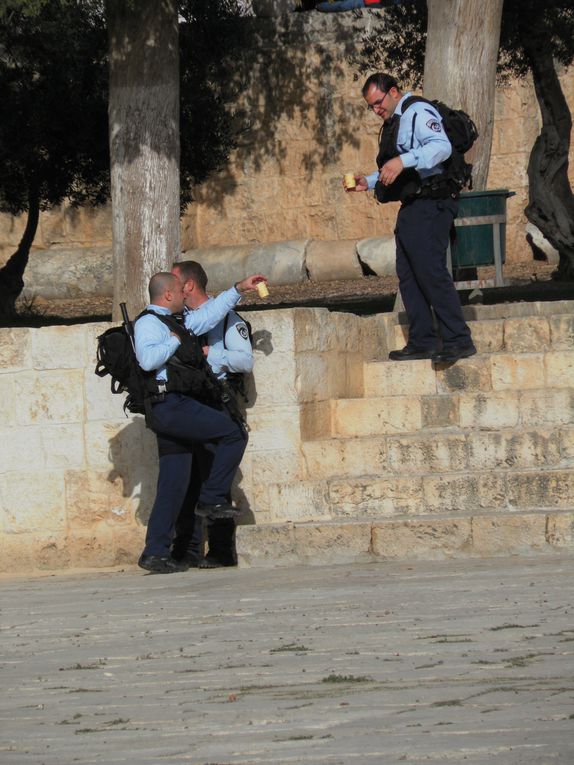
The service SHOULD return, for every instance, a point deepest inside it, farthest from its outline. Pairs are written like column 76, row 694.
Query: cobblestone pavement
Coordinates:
column 459, row 662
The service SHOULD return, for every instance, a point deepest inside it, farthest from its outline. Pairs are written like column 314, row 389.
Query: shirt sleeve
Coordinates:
column 154, row 343
column 430, row 145
column 372, row 179
column 235, row 353
column 211, row 312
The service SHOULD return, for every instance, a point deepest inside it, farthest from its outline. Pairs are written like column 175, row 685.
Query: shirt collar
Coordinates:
column 399, row 107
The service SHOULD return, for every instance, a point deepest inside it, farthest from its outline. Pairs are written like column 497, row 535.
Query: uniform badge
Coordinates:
column 242, row 329
column 434, row 125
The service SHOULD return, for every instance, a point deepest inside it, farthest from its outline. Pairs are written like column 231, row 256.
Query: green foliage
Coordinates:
column 210, row 38
column 53, row 90
column 397, row 42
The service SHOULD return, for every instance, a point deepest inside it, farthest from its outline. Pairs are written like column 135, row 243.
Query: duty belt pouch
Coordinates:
column 407, row 185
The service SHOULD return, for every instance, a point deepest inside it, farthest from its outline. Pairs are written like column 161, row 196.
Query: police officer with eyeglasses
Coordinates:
column 413, row 147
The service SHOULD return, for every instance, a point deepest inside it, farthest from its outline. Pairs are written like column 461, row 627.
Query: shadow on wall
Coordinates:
column 278, row 84
column 133, row 453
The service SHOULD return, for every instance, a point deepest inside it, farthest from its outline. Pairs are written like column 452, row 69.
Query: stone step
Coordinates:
column 483, row 372
column 513, row 328
column 538, row 407
column 440, row 451
column 407, row 538
column 384, row 496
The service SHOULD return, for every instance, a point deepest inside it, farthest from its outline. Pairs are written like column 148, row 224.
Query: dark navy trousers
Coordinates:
column 422, row 235
column 180, row 422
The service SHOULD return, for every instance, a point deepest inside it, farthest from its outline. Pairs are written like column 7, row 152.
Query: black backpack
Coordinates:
column 461, row 132
column 115, row 355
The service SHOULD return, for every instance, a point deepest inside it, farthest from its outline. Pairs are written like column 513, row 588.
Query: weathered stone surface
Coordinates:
column 379, row 254
column 281, row 262
column 427, row 454
column 372, row 497
column 325, row 543
column 385, row 378
column 345, row 457
column 546, row 407
column 332, row 260
column 517, row 372
column 439, row 411
column 426, row 539
column 371, row 417
column 315, row 330
column 266, row 546
column 8, row 396
column 59, row 347
column 81, row 271
column 508, row 534
column 298, row 501
column 559, row 367
column 540, row 489
column 466, row 375
column 274, row 428
column 488, row 335
column 560, row 530
column 33, row 502
column 119, row 444
column 492, row 411
column 562, row 330
column 103, row 493
column 513, row 449
column 316, row 420
column 278, row 465
column 49, row 396
column 463, row 492
column 15, row 349
column 526, row 335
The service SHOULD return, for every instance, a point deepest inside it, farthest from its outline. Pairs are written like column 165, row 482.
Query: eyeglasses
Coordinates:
column 376, row 104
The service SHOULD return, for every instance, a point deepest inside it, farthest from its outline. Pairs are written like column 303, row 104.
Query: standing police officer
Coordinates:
column 228, row 350
column 413, row 148
column 180, row 419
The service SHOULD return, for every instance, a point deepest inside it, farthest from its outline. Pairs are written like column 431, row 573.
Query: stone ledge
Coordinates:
column 414, row 538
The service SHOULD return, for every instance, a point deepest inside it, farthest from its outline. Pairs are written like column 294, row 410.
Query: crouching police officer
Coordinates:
column 413, row 148
column 179, row 415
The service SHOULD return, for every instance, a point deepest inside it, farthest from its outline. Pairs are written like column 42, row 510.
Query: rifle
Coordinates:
column 128, row 326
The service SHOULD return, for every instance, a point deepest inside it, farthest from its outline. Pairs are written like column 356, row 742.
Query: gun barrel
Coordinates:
column 124, row 310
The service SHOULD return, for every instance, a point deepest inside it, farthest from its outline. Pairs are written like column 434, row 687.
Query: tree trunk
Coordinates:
column 143, row 42
column 460, row 67
column 550, row 198
column 12, row 273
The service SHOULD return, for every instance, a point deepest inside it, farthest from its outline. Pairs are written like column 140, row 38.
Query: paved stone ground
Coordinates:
column 459, row 662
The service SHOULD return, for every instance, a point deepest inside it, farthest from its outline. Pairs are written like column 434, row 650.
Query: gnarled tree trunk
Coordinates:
column 550, row 198
column 144, row 143
column 460, row 66
column 12, row 273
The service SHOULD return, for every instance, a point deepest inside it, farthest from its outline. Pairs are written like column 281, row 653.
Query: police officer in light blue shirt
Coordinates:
column 228, row 350
column 180, row 420
column 413, row 150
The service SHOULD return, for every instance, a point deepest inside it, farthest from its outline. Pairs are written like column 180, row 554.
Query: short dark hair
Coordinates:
column 159, row 284
column 384, row 82
column 191, row 269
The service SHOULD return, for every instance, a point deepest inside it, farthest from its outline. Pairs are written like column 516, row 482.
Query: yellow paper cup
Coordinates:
column 349, row 181
column 262, row 290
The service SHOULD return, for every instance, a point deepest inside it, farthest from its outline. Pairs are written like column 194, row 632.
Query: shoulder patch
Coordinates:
column 434, row 125
column 242, row 329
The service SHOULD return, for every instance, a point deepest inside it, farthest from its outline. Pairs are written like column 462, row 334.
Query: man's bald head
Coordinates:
column 165, row 290
column 160, row 283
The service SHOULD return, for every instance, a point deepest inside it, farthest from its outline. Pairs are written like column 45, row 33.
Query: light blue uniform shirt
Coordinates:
column 154, row 342
column 232, row 351
column 430, row 145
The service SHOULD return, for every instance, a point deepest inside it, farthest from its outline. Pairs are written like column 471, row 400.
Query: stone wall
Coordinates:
column 77, row 478
column 349, row 454
column 308, row 127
